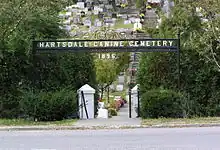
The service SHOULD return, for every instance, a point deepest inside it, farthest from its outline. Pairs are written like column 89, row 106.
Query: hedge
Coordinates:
column 158, row 103
column 49, row 106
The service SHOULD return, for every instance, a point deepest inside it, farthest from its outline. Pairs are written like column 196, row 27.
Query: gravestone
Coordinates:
column 134, row 97
column 109, row 6
column 124, row 16
column 96, row 10
column 127, row 22
column 109, row 14
column 67, row 22
column 98, row 23
column 74, row 10
column 137, row 25
column 68, row 27
column 119, row 87
column 102, row 112
column 80, row 5
column 68, row 14
column 89, row 102
column 87, row 22
column 132, row 19
column 76, row 20
column 105, row 9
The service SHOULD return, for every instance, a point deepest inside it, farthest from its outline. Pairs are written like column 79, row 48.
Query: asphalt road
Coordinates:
column 124, row 139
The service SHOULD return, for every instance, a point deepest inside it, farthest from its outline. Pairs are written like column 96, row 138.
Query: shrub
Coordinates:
column 112, row 112
column 161, row 103
column 115, row 104
column 49, row 106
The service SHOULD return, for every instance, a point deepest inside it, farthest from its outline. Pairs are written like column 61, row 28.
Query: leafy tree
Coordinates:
column 108, row 70
column 22, row 21
column 199, row 80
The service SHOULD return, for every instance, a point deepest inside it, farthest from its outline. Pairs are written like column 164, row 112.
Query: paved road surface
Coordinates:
column 129, row 139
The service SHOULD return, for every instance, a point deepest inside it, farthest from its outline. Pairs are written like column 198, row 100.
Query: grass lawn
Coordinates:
column 22, row 122
column 169, row 121
column 120, row 24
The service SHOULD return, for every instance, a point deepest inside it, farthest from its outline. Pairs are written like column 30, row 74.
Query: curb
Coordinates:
column 34, row 128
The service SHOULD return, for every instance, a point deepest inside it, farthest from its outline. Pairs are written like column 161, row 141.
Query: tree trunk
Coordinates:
column 108, row 94
column 102, row 91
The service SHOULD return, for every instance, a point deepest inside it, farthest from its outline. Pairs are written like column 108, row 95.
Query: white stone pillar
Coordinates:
column 134, row 97
column 89, row 100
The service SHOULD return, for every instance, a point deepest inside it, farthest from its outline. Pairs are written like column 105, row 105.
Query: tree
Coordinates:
column 107, row 70
column 22, row 21
column 199, row 80
column 208, row 44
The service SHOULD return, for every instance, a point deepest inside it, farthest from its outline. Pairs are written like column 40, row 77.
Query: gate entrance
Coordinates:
column 120, row 45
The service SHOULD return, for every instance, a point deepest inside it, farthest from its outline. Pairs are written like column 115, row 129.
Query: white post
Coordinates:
column 134, row 97
column 89, row 100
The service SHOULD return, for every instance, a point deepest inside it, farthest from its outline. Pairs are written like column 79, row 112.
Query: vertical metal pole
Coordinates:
column 138, row 98
column 84, row 102
column 178, row 59
column 78, row 107
column 129, row 102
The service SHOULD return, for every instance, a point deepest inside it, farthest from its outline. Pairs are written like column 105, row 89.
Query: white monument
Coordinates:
column 89, row 101
column 134, row 97
column 102, row 112
column 137, row 25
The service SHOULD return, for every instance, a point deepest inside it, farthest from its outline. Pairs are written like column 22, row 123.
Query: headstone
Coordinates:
column 68, row 28
column 109, row 14
column 132, row 19
column 76, row 19
column 68, row 14
column 109, row 6
column 127, row 22
column 87, row 22
column 102, row 5
column 96, row 10
column 88, row 4
column 98, row 24
column 124, row 16
column 105, row 1
column 121, row 79
column 108, row 20
column 137, row 25
column 89, row 102
column 105, row 9
column 120, row 87
column 74, row 10
column 80, row 5
column 67, row 22
column 102, row 113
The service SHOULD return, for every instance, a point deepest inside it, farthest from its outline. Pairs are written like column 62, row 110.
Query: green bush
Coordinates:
column 49, row 106
column 161, row 103
column 112, row 112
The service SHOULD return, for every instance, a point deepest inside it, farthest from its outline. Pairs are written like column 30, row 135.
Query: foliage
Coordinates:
column 107, row 70
column 139, row 3
column 21, row 70
column 22, row 21
column 158, row 103
column 199, row 78
column 112, row 112
column 49, row 106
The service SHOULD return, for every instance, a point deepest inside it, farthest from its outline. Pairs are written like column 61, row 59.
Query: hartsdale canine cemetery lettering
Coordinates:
column 133, row 43
column 106, row 44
